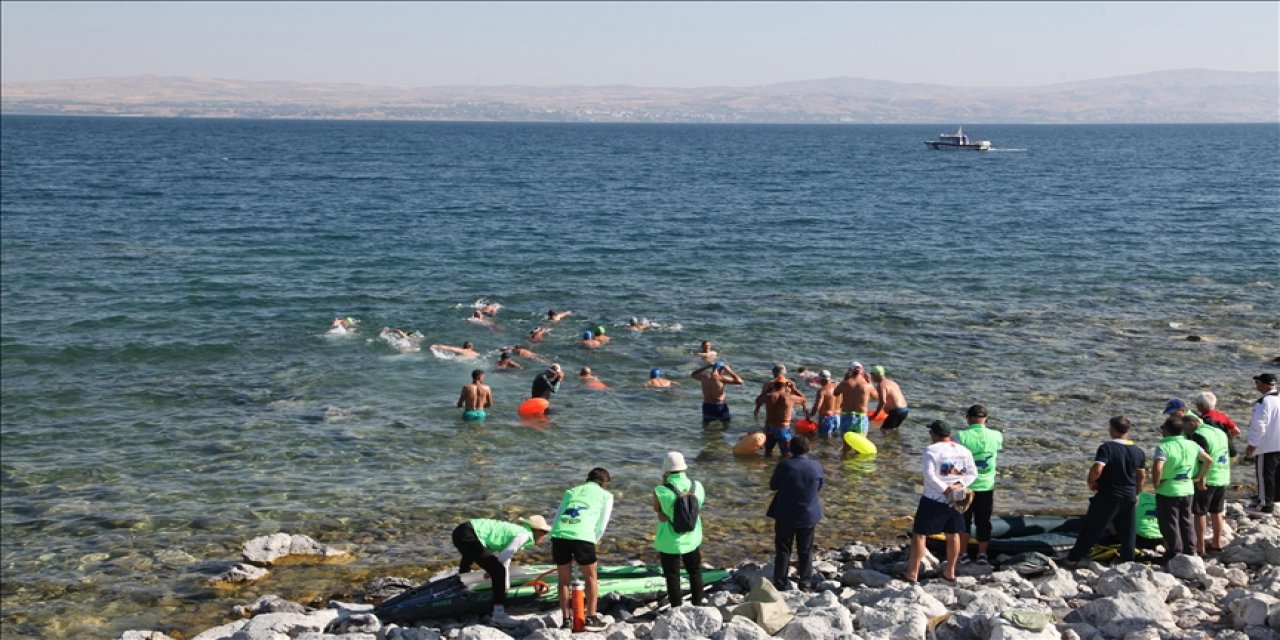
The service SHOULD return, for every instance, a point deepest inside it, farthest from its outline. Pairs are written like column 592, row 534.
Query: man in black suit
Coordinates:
column 795, row 510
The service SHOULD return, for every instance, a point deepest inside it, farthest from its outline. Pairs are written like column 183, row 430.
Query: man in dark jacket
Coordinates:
column 795, row 510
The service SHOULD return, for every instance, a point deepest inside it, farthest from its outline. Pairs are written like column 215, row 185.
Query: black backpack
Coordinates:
column 684, row 516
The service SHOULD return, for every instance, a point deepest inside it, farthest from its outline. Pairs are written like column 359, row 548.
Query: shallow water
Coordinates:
column 169, row 390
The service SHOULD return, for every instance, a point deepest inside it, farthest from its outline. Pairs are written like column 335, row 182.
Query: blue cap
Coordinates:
column 719, row 364
column 655, row 373
column 1174, row 405
column 586, row 335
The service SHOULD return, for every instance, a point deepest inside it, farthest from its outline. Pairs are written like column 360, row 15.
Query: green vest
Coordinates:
column 667, row 540
column 1220, row 472
column 1145, row 517
column 580, row 513
column 983, row 443
column 495, row 535
column 1177, row 477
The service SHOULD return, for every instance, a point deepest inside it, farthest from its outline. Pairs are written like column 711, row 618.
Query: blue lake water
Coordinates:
column 169, row 390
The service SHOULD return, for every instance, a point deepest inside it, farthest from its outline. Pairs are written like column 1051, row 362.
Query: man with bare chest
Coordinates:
column 713, row 378
column 855, row 393
column 778, row 405
column 476, row 397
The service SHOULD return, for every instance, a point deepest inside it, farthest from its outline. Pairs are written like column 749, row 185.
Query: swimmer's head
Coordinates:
column 655, row 373
column 466, row 345
column 506, row 355
column 779, row 369
column 586, row 371
column 351, row 320
column 477, row 375
column 706, row 345
column 555, row 368
column 855, row 366
column 635, row 320
column 877, row 371
column 719, row 365
column 600, row 330
column 824, row 376
column 586, row 335
column 802, row 371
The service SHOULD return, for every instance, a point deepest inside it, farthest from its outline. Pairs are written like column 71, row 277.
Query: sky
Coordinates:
column 651, row 44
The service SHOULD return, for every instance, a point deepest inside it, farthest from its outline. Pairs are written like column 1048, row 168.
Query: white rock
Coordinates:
column 822, row 600
column 989, row 602
column 868, row 577
column 267, row 549
column 1252, row 610
column 1143, row 634
column 687, row 622
column 481, row 632
column 740, row 628
column 1131, row 577
column 1058, row 584
column 270, row 626
column 892, row 622
column 144, row 635
column 238, row 573
column 268, row 604
column 221, row 632
column 1258, row 546
column 942, row 593
column 1118, row 615
column 1005, row 631
column 357, row 623
column 819, row 624
column 393, row 632
column 1187, row 567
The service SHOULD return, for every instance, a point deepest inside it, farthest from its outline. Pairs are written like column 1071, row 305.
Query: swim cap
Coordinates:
column 719, row 364
column 586, row 335
column 878, row 370
column 635, row 320
column 600, row 330
column 855, row 366
column 351, row 320
column 655, row 373
column 555, row 368
column 825, row 375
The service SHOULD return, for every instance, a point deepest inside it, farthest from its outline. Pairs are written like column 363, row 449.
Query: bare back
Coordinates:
column 826, row 404
column 476, row 396
column 891, row 395
column 855, row 395
column 778, row 406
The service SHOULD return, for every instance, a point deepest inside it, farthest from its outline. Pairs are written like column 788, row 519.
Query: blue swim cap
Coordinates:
column 719, row 364
column 655, row 373
column 586, row 335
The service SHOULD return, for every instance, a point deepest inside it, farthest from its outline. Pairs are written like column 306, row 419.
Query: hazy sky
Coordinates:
column 676, row 44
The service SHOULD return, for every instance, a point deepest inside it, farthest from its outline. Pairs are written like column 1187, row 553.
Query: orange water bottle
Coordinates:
column 579, row 607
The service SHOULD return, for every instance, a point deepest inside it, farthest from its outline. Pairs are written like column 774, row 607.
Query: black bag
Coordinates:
column 684, row 515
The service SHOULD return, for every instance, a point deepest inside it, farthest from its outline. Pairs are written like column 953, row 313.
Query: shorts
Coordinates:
column 474, row 414
column 829, row 425
column 895, row 419
column 1211, row 500
column 936, row 517
column 565, row 551
column 780, row 436
column 715, row 411
column 854, row 422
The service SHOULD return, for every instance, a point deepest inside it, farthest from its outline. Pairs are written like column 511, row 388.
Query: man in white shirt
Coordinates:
column 948, row 471
column 1264, row 441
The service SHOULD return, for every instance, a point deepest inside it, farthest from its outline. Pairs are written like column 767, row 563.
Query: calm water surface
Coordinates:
column 169, row 390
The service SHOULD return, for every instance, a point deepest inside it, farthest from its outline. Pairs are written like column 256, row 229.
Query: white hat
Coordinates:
column 855, row 366
column 673, row 462
column 538, row 522
column 825, row 375
column 556, row 368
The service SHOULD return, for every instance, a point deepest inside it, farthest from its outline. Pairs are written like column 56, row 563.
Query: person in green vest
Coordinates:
column 1210, row 502
column 579, row 526
column 479, row 539
column 1176, row 480
column 675, row 547
column 1148, row 525
column 984, row 444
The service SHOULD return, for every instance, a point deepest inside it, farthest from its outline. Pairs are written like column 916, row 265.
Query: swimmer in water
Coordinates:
column 639, row 324
column 589, row 340
column 505, row 361
column 600, row 336
column 475, row 398
column 479, row 318
column 490, row 309
column 590, row 380
column 465, row 350
column 537, row 333
column 524, row 352
column 557, row 316
column 803, row 375
column 656, row 381
column 706, row 352
column 401, row 341
column 344, row 325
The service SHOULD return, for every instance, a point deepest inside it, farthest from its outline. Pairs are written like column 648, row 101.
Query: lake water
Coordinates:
column 169, row 390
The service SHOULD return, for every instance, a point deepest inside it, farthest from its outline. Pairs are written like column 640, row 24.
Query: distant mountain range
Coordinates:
column 1183, row 96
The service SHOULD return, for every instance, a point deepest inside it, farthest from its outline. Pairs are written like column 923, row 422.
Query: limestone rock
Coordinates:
column 1190, row 568
column 740, row 628
column 1253, row 610
column 1256, row 547
column 385, row 588
column 221, row 632
column 238, row 573
column 1131, row 611
column 144, row 635
column 268, row 604
column 868, row 577
column 989, row 602
column 687, row 622
column 819, row 624
column 1131, row 577
column 265, row 550
column 480, row 632
column 1004, row 630
column 358, row 623
column 270, row 626
column 1057, row 584
column 393, row 632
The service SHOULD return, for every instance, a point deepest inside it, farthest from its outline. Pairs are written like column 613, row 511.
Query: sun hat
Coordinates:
column 537, row 522
column 673, row 462
column 1174, row 405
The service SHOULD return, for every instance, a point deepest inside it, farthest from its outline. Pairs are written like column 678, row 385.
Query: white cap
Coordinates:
column 673, row 462
column 555, row 368
column 825, row 375
column 855, row 366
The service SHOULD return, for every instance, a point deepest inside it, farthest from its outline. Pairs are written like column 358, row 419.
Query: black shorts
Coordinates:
column 565, row 551
column 1211, row 500
column 936, row 517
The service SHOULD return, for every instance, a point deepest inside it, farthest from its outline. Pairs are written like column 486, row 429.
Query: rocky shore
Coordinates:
column 1231, row 595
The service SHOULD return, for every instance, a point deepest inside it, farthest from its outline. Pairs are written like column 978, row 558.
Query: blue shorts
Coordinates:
column 854, row 422
column 829, row 425
column 474, row 414
column 715, row 411
column 779, row 436
column 936, row 517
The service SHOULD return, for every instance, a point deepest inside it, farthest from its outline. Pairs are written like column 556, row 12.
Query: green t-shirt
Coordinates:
column 1218, row 448
column 983, row 443
column 1177, row 478
column 666, row 539
column 583, row 514
column 495, row 535
column 1145, row 517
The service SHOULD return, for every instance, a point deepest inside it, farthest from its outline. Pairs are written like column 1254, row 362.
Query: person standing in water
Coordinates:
column 713, row 378
column 476, row 397
column 826, row 406
column 656, row 381
column 855, row 393
column 779, row 403
column 547, row 382
column 891, row 399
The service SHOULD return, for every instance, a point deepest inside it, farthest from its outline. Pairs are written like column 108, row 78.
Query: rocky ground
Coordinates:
column 1232, row 595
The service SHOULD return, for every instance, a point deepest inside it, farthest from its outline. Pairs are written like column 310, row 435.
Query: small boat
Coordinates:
column 958, row 141
column 472, row 593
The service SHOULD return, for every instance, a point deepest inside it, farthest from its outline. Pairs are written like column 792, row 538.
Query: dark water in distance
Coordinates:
column 168, row 390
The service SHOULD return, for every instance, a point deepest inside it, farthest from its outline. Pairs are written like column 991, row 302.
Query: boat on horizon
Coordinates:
column 958, row 141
